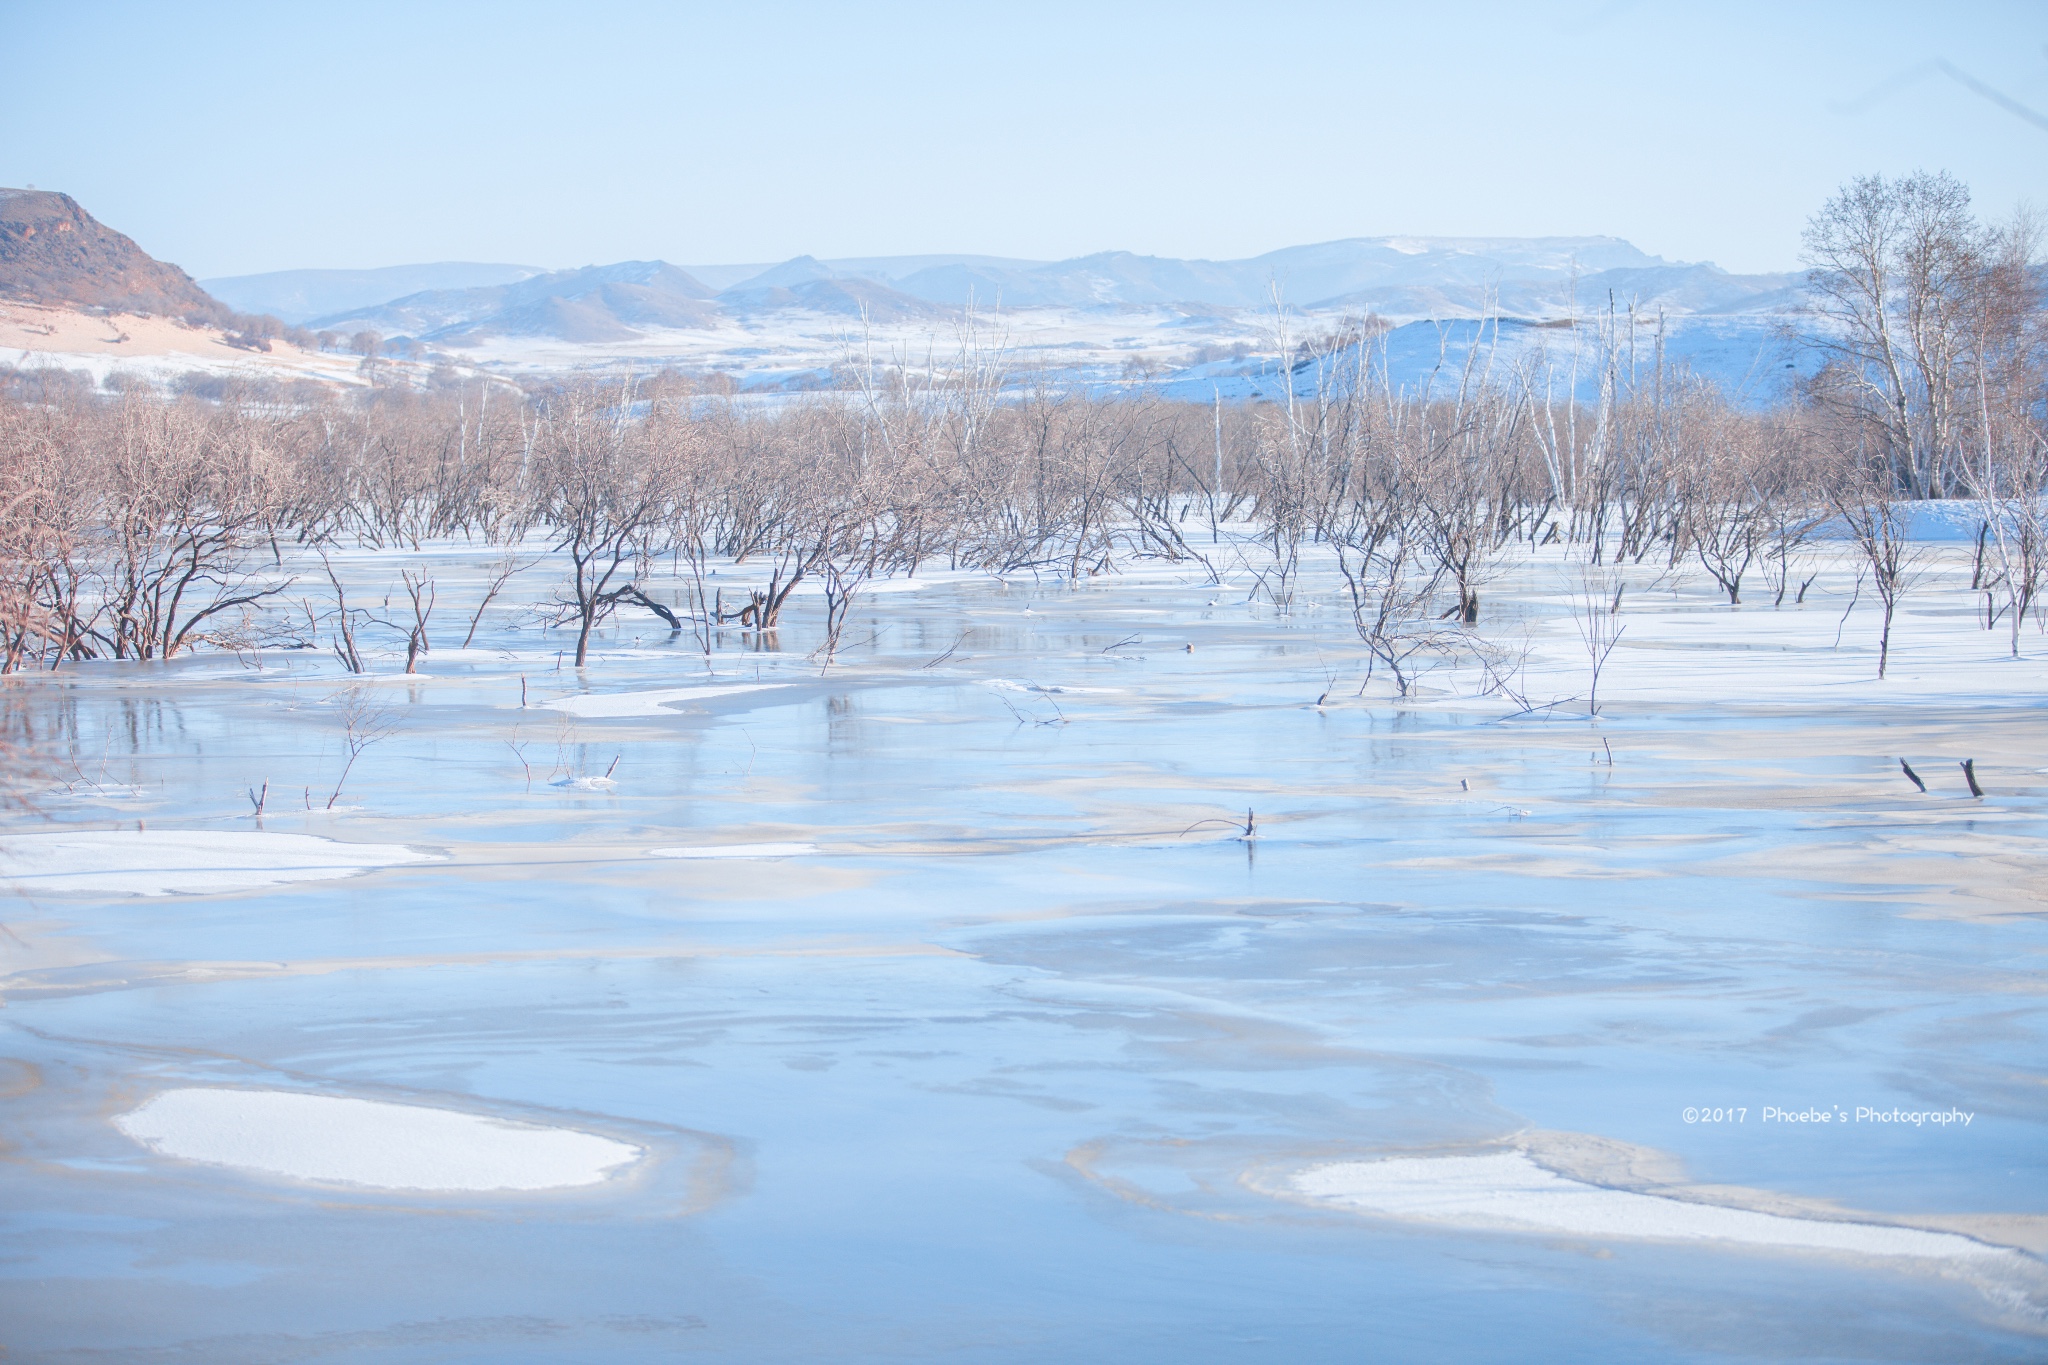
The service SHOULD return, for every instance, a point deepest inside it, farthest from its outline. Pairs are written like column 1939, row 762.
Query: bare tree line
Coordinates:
column 134, row 526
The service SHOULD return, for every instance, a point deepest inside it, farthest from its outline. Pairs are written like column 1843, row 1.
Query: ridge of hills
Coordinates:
column 1411, row 277
column 297, row 295
column 617, row 302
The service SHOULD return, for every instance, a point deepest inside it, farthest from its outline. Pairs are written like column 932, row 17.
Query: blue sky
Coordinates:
column 234, row 138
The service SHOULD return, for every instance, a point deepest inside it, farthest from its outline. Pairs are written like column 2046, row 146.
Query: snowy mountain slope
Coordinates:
column 895, row 269
column 794, row 271
column 805, row 284
column 1537, row 272
column 615, row 302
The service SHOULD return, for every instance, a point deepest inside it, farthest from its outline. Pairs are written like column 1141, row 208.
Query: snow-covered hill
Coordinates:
column 1405, row 278
column 1407, row 274
column 298, row 296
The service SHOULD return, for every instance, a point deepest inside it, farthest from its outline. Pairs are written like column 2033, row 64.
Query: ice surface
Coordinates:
column 994, row 1088
column 1506, row 1191
column 614, row 705
column 159, row 862
column 338, row 1140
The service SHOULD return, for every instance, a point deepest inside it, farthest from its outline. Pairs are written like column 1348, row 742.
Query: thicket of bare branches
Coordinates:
column 134, row 526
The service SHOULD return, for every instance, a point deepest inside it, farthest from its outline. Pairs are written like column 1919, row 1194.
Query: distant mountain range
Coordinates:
column 297, row 296
column 1191, row 327
column 459, row 303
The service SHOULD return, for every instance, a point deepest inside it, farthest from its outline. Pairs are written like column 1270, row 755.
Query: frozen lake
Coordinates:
column 930, row 1006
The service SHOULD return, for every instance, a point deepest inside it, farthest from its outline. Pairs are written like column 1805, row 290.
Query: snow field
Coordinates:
column 1508, row 1192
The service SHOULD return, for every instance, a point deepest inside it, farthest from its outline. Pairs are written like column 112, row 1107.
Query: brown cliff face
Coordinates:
column 53, row 252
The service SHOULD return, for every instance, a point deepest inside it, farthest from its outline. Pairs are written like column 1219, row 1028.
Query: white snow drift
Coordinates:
column 614, row 705
column 1507, row 1192
column 160, row 862
column 335, row 1140
column 736, row 851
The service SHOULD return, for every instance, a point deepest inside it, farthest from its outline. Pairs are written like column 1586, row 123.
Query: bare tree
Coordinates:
column 419, row 591
column 2007, row 468
column 607, row 496
column 185, row 507
column 347, row 620
column 1726, row 489
column 1895, row 270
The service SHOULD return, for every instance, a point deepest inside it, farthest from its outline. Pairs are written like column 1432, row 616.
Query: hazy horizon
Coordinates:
column 850, row 261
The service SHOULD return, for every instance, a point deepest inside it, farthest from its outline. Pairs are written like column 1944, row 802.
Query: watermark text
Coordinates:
column 1833, row 1115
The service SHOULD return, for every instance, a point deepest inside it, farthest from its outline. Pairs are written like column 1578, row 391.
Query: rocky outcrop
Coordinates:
column 54, row 253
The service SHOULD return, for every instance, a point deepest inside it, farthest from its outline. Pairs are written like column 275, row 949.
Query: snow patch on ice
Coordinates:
column 335, row 1140
column 195, row 862
column 1508, row 1192
column 614, row 705
column 1067, row 689
column 736, row 851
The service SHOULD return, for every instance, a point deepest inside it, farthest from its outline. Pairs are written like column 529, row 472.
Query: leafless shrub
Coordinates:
column 420, row 593
column 364, row 721
column 1596, row 616
column 1873, row 517
column 347, row 621
column 508, row 564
